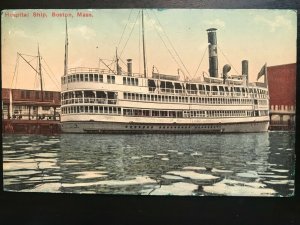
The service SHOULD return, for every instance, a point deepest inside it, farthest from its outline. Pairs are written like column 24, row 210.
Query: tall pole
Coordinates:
column 66, row 51
column 40, row 73
column 117, row 63
column 144, row 55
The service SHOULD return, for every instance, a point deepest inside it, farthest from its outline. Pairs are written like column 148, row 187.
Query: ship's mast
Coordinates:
column 144, row 55
column 66, row 50
column 117, row 63
column 40, row 73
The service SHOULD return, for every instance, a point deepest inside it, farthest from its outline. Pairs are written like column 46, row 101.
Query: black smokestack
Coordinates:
column 129, row 67
column 212, row 51
column 245, row 70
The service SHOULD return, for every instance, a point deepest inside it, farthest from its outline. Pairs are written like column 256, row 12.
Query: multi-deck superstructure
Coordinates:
column 94, row 100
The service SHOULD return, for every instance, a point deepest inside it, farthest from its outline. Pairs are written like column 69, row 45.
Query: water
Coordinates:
column 256, row 164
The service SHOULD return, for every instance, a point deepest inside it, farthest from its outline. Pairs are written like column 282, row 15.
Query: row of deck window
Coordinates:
column 166, row 86
column 130, row 81
column 160, row 113
column 182, row 99
column 91, row 109
column 94, row 77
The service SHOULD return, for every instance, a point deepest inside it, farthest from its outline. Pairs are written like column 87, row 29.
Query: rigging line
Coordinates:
column 36, row 75
column 29, row 55
column 168, row 49
column 32, row 59
column 171, row 43
column 200, row 62
column 50, row 70
column 140, row 24
column 17, row 62
column 124, row 28
column 129, row 34
column 17, row 75
column 50, row 77
column 123, row 62
column 228, row 60
column 107, row 59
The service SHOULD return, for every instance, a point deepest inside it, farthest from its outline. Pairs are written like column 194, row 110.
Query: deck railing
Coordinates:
column 89, row 100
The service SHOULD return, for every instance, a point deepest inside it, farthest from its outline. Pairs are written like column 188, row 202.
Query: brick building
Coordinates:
column 31, row 112
column 282, row 90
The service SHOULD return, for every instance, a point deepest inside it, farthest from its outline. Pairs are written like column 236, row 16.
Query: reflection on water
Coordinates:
column 258, row 164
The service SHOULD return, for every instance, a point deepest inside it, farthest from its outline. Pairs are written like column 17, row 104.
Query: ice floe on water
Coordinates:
column 46, row 154
column 194, row 168
column 47, row 165
column 87, row 192
column 90, row 174
column 265, row 173
column 236, row 188
column 45, row 160
column 165, row 159
column 100, row 167
column 254, row 163
column 147, row 156
column 73, row 162
column 52, row 141
column 179, row 188
column 48, row 187
column 279, row 170
column 273, row 176
column 20, row 172
column 248, row 174
column 254, row 174
column 193, row 175
column 196, row 154
column 214, row 170
column 135, row 157
column 172, row 177
column 32, row 148
column 41, row 178
column 136, row 181
column 9, row 152
column 9, row 166
column 172, row 150
column 10, row 181
column 277, row 182
column 21, row 141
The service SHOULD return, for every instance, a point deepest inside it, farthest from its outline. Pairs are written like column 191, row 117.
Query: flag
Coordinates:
column 262, row 71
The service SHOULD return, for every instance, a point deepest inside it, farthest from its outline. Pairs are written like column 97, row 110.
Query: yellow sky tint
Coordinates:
column 259, row 36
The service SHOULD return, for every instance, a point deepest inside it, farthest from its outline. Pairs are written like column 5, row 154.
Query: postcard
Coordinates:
column 182, row 102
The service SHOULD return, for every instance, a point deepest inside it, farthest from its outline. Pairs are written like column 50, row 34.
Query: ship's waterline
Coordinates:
column 163, row 128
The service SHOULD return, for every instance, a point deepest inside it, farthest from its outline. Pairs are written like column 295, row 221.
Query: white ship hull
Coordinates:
column 208, row 126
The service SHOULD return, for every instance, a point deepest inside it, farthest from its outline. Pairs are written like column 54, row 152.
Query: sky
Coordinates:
column 259, row 36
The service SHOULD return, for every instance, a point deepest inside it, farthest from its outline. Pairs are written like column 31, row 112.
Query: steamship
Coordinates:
column 97, row 100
